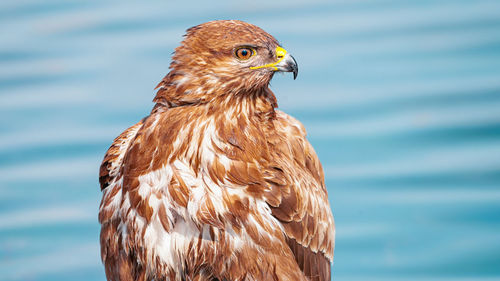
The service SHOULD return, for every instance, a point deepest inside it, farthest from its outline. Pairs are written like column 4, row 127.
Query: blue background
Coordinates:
column 401, row 100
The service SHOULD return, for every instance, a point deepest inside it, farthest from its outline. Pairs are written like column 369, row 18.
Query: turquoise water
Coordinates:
column 401, row 100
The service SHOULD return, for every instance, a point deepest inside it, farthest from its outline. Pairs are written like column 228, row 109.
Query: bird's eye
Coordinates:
column 244, row 53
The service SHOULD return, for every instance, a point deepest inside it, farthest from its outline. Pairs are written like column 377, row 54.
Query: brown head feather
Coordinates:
column 204, row 67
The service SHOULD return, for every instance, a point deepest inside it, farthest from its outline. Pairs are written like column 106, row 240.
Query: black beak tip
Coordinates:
column 295, row 68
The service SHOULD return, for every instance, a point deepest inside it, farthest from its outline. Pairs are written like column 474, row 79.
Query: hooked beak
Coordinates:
column 288, row 64
column 285, row 63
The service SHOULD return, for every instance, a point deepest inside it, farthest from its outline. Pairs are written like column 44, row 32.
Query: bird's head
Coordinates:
column 221, row 57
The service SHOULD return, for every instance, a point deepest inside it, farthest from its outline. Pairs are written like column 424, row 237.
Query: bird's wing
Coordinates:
column 113, row 159
column 119, row 266
column 298, row 198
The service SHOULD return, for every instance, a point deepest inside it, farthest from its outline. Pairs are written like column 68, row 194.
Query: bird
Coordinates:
column 216, row 183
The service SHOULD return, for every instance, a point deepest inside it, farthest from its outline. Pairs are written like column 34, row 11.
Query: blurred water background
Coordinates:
column 401, row 100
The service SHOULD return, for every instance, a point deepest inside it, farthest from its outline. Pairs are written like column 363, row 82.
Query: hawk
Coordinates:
column 216, row 183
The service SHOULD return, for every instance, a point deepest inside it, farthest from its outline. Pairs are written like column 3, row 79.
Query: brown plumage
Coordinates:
column 216, row 184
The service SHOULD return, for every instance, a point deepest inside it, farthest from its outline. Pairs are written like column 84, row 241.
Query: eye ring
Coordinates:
column 244, row 53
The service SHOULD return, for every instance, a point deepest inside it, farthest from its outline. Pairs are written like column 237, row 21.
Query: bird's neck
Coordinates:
column 181, row 88
column 216, row 97
column 235, row 125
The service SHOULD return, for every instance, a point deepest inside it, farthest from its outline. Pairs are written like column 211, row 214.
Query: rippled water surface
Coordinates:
column 401, row 100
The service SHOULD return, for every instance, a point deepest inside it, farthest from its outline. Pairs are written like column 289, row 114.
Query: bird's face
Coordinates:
column 233, row 54
column 265, row 59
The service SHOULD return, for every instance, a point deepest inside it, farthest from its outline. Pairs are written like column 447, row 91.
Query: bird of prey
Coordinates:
column 216, row 183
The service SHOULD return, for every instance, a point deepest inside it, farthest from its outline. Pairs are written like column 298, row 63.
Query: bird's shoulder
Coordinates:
column 113, row 158
column 290, row 147
column 298, row 197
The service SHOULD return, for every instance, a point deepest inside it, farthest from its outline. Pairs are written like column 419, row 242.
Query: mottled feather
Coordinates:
column 215, row 184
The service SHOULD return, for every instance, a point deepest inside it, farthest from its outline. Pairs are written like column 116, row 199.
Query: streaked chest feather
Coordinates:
column 203, row 196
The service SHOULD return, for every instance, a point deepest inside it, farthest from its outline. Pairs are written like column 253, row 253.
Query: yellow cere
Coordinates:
column 280, row 54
